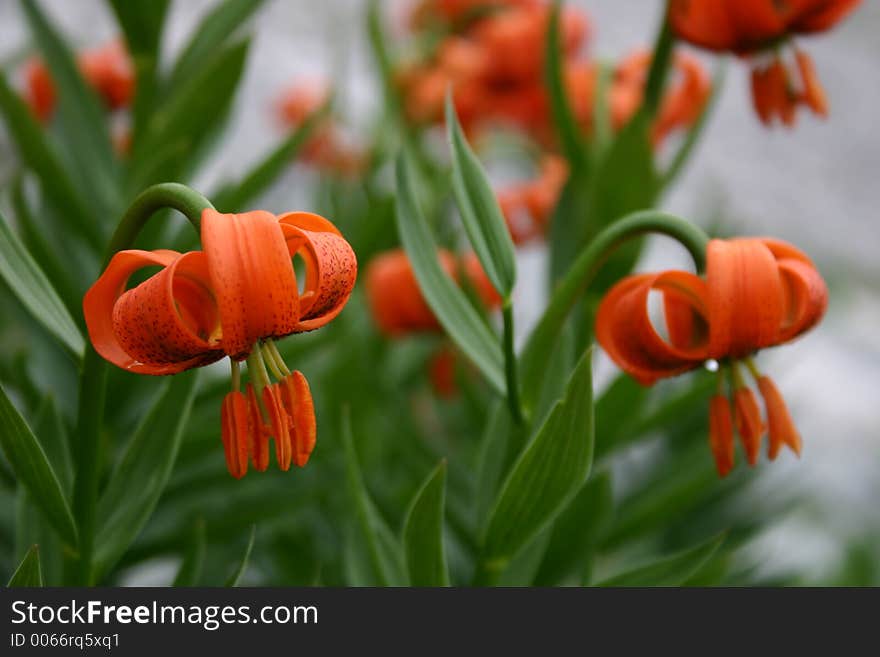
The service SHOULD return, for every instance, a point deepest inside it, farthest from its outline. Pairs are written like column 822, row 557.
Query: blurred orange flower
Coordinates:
column 750, row 27
column 326, row 148
column 107, row 69
column 527, row 207
column 396, row 302
column 757, row 293
column 231, row 300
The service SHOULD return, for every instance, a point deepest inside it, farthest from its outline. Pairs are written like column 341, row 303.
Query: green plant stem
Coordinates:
column 93, row 378
column 657, row 74
column 582, row 272
column 513, row 399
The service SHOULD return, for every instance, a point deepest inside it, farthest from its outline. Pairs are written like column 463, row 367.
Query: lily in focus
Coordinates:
column 232, row 299
column 757, row 293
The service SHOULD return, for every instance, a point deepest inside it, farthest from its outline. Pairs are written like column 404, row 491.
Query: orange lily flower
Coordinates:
column 749, row 27
column 527, row 207
column 107, row 69
column 326, row 148
column 682, row 104
column 395, row 300
column 398, row 307
column 232, row 299
column 757, row 293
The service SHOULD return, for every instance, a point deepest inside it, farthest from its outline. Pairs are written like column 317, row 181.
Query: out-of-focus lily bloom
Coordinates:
column 455, row 11
column 108, row 70
column 528, row 206
column 326, row 148
column 232, row 299
column 494, row 67
column 396, row 302
column 758, row 27
column 757, row 293
column 681, row 106
column 399, row 309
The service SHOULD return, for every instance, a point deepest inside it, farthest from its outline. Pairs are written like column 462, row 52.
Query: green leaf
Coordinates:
column 478, row 206
column 81, row 114
column 142, row 22
column 193, row 562
column 576, row 532
column 549, row 473
column 491, row 460
column 235, row 577
column 235, row 197
column 458, row 317
column 50, row 431
column 423, row 533
column 141, row 475
column 43, row 158
column 33, row 470
column 210, row 35
column 382, row 548
column 28, row 282
column 673, row 570
column 191, row 112
column 563, row 117
column 28, row 573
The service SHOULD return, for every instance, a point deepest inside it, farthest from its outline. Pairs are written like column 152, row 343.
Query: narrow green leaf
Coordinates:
column 235, row 577
column 81, row 114
column 550, row 471
column 478, row 206
column 142, row 473
column 193, row 111
column 491, row 460
column 142, row 23
column 28, row 282
column 235, row 197
column 46, row 247
column 209, row 36
column 28, row 573
column 33, row 470
column 50, row 431
column 382, row 548
column 563, row 117
column 194, row 560
column 576, row 531
column 455, row 314
column 673, row 570
column 423, row 533
column 41, row 156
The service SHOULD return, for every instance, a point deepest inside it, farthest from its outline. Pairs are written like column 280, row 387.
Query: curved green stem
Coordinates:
column 93, row 378
column 513, row 399
column 533, row 360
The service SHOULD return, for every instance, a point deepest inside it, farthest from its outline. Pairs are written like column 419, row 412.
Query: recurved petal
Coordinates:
column 252, row 277
column 745, row 297
column 625, row 331
column 234, row 423
column 331, row 267
column 170, row 320
column 98, row 309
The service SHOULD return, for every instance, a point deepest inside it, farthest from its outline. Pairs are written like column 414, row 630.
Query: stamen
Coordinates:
column 236, row 375
column 753, row 369
column 271, row 349
column 269, row 359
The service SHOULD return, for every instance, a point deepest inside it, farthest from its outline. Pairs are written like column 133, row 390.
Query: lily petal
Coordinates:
column 252, row 278
column 331, row 267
